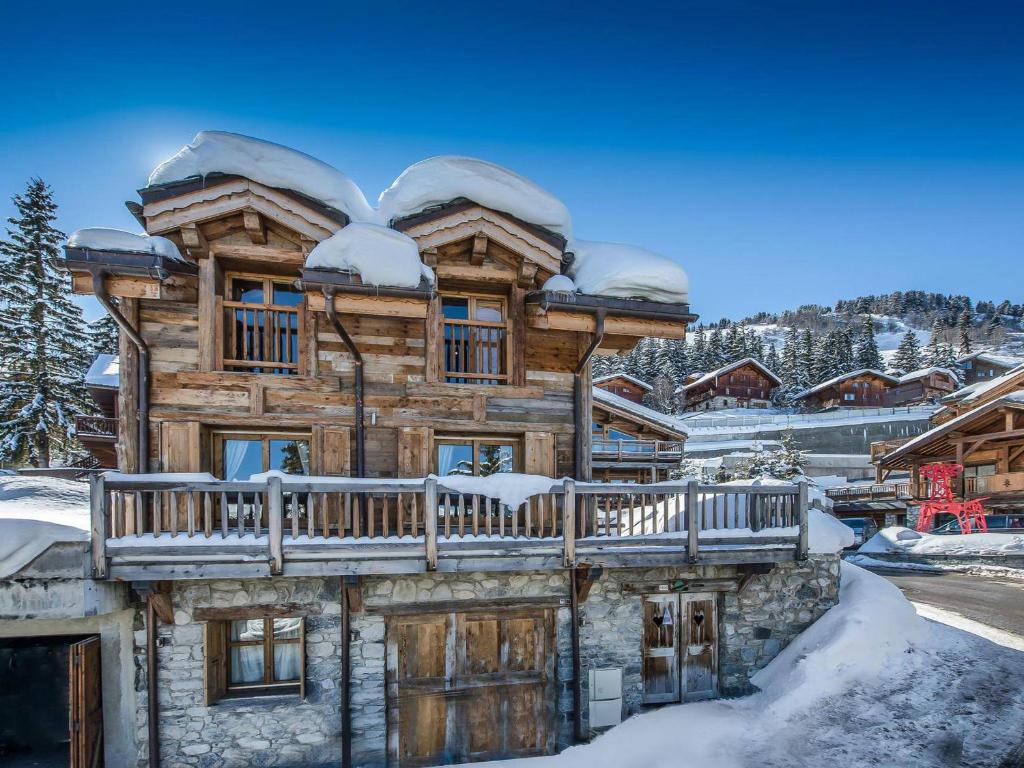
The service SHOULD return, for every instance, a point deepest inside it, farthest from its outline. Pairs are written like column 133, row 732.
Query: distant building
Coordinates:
column 630, row 442
column 985, row 366
column 98, row 434
column 745, row 383
column 865, row 388
column 625, row 386
column 924, row 385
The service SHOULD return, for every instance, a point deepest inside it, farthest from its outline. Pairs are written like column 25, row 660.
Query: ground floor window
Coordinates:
column 476, row 456
column 254, row 656
column 239, row 455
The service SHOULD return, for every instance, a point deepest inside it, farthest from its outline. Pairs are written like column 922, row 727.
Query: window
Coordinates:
column 262, row 325
column 254, row 656
column 240, row 455
column 475, row 348
column 476, row 456
column 850, row 396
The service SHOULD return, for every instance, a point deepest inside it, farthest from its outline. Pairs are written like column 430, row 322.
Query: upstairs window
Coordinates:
column 475, row 340
column 262, row 324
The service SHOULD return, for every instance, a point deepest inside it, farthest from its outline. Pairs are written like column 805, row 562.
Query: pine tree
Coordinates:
column 867, row 353
column 963, row 325
column 934, row 353
column 699, row 353
column 44, row 343
column 771, row 360
column 716, row 350
column 908, row 355
column 805, row 364
column 104, row 336
column 790, row 361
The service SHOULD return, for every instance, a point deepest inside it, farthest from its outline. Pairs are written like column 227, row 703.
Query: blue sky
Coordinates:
column 784, row 153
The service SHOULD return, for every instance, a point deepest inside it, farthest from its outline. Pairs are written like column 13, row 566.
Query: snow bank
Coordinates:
column 905, row 541
column 104, row 239
column 36, row 512
column 626, row 271
column 104, row 372
column 510, row 488
column 268, row 163
column 381, row 256
column 438, row 180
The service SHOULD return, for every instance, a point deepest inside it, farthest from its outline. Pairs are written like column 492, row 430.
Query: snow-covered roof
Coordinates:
column 663, row 420
column 979, row 391
column 559, row 283
column 37, row 512
column 380, row 255
column 726, row 369
column 439, row 180
column 631, row 379
column 923, row 372
column 122, row 241
column 1005, row 361
column 104, row 372
column 268, row 163
column 843, row 377
column 627, row 272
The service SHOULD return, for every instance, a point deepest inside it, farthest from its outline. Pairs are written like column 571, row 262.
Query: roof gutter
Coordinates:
column 612, row 307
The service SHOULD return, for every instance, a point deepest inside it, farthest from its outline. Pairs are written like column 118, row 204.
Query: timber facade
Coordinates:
column 743, row 384
column 293, row 566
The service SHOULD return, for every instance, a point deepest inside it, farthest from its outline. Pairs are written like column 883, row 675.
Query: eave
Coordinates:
column 132, row 275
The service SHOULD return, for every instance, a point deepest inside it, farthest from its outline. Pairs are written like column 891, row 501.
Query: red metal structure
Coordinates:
column 969, row 514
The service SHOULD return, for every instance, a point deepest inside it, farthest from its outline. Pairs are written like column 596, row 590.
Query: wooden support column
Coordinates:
column 210, row 282
column 128, row 392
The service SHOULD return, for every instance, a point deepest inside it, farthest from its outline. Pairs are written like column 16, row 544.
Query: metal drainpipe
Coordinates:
column 153, row 716
column 357, row 360
column 583, row 419
column 346, row 672
column 99, row 288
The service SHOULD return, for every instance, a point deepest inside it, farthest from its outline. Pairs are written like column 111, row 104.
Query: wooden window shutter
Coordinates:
column 215, row 667
column 181, row 446
column 539, row 448
column 414, row 451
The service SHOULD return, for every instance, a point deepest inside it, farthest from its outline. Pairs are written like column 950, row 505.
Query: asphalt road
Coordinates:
column 996, row 602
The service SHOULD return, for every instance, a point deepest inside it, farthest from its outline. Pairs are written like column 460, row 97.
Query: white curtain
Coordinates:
column 234, row 457
column 445, row 459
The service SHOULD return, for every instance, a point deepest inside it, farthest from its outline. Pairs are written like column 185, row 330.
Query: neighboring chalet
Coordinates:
column 980, row 427
column 98, row 434
column 743, row 384
column 630, row 442
column 927, row 385
column 318, row 551
column 625, row 386
column 865, row 388
column 985, row 366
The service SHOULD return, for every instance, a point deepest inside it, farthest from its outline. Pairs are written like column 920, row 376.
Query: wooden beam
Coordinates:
column 259, row 253
column 379, row 306
column 1012, row 456
column 253, row 224
column 476, row 257
column 614, row 326
column 269, row 610
column 194, row 240
column 974, row 447
column 1007, row 435
column 527, row 274
column 174, row 288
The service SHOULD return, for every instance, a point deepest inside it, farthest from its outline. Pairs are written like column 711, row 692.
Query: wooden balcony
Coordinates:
column 634, row 453
column 877, row 492
column 96, row 427
column 1011, row 483
column 152, row 529
column 882, row 447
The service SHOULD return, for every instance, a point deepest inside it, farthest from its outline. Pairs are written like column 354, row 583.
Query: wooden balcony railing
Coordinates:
column 146, row 528
column 882, row 447
column 878, row 492
column 96, row 426
column 475, row 352
column 1005, row 482
column 636, row 450
column 262, row 339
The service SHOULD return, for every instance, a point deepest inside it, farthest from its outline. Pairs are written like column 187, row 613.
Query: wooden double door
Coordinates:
column 680, row 647
column 471, row 685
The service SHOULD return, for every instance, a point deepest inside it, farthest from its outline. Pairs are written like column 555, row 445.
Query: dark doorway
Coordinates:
column 39, row 683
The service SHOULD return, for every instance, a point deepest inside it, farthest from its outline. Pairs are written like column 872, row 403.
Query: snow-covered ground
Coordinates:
column 898, row 540
column 871, row 683
column 36, row 512
column 994, row 571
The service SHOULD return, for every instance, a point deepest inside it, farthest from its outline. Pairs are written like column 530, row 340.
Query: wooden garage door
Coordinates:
column 469, row 686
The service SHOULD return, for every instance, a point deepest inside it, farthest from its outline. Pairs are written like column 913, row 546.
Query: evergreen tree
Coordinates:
column 867, row 354
column 934, row 353
column 771, row 360
column 699, row 353
column 805, row 364
column 44, row 344
column 783, row 463
column 104, row 336
column 963, row 326
column 908, row 355
column 716, row 350
column 790, row 361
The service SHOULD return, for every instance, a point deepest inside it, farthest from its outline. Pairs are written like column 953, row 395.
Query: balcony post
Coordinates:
column 430, row 522
column 803, row 542
column 569, row 522
column 275, row 507
column 98, row 518
column 692, row 523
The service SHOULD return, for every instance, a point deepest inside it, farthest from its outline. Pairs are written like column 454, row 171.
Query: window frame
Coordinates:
column 476, row 441
column 265, row 438
column 217, row 646
column 269, row 687
column 475, row 378
column 227, row 306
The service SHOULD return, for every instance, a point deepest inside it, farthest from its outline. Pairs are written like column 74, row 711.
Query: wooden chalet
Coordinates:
column 625, row 386
column 310, row 505
column 928, row 385
column 98, row 434
column 742, row 384
column 985, row 366
column 865, row 388
column 630, row 442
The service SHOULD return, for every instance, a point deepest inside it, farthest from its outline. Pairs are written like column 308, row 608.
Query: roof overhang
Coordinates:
column 131, row 275
column 351, row 296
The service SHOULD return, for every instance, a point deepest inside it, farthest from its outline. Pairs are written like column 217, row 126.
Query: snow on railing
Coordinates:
column 277, row 518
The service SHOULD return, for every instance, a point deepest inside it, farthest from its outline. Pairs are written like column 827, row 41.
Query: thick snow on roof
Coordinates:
column 381, row 256
column 920, row 373
column 268, row 163
column 561, row 283
column 439, row 180
column 631, row 379
column 104, row 239
column 104, row 372
column 36, row 512
column 991, row 357
column 844, row 377
column 725, row 369
column 980, row 389
column 657, row 417
column 626, row 271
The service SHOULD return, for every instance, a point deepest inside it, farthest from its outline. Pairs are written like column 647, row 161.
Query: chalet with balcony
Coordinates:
column 743, row 384
column 864, row 388
column 99, row 433
column 928, row 385
column 986, row 366
column 337, row 536
column 625, row 386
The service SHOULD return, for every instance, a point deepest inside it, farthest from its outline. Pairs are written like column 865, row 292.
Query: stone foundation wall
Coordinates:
column 286, row 731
